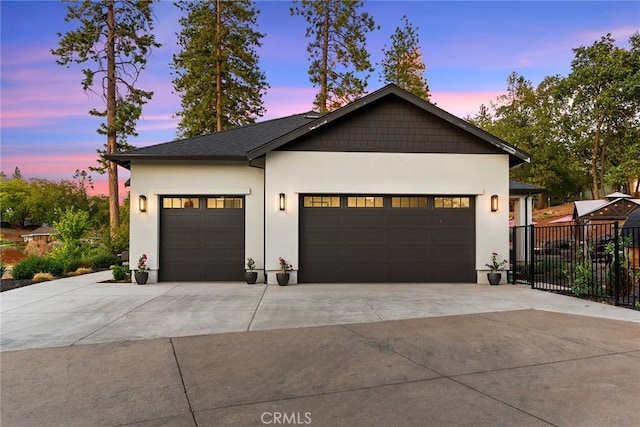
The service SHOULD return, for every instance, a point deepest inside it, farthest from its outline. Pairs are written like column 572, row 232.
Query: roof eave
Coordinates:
column 125, row 160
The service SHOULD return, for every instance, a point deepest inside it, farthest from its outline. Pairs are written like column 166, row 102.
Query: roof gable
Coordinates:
column 516, row 156
column 605, row 209
column 391, row 125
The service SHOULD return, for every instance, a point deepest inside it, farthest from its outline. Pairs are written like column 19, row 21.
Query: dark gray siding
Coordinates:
column 392, row 125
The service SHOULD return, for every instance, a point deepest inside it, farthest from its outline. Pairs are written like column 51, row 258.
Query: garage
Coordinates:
column 387, row 238
column 202, row 238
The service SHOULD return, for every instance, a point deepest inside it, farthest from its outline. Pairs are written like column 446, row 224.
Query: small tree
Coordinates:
column 71, row 228
column 403, row 64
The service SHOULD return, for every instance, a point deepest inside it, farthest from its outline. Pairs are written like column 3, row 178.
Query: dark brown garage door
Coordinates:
column 387, row 239
column 201, row 238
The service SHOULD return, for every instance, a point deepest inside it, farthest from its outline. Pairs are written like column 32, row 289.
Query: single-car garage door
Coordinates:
column 201, row 238
column 365, row 238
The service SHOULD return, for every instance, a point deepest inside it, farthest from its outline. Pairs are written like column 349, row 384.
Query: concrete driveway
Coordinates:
column 468, row 355
column 80, row 310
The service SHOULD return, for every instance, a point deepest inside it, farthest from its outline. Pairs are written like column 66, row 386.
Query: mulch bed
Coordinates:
column 8, row 284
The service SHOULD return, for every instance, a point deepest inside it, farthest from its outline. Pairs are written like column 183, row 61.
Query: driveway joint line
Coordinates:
column 374, row 311
column 116, row 319
column 184, row 387
column 452, row 377
column 257, row 307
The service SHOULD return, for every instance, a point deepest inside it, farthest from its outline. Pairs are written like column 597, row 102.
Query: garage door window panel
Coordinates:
column 321, row 201
column 409, row 202
column 365, row 202
column 180, row 203
column 224, row 203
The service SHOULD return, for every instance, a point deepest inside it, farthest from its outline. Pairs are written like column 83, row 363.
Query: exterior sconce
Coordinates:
column 282, row 202
column 142, row 203
column 494, row 203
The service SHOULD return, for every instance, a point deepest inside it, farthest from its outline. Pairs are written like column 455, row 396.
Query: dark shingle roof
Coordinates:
column 229, row 144
column 517, row 187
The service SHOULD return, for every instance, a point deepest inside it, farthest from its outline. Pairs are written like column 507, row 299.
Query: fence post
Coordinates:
column 530, row 255
column 616, row 262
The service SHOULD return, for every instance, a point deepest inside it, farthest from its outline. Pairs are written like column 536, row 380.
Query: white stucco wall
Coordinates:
column 295, row 173
column 155, row 179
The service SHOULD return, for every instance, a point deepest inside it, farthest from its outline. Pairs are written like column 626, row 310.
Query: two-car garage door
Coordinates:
column 346, row 238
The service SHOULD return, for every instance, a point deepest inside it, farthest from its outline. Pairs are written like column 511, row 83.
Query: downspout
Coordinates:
column 264, row 218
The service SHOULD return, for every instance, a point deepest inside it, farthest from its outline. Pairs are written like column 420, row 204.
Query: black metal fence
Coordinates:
column 596, row 260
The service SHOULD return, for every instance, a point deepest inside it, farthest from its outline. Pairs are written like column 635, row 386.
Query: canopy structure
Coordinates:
column 615, row 206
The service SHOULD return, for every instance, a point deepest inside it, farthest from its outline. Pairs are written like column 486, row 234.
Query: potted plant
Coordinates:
column 496, row 267
column 283, row 276
column 250, row 275
column 142, row 272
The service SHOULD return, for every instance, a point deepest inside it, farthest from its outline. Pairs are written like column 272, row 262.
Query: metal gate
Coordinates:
column 600, row 261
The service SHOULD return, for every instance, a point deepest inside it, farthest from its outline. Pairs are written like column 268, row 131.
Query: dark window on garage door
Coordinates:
column 372, row 238
column 201, row 238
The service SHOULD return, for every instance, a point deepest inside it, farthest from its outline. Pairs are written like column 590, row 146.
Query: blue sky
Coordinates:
column 469, row 48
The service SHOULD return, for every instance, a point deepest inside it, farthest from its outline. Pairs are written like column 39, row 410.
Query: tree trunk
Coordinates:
column 325, row 60
column 594, row 162
column 218, row 66
column 112, row 147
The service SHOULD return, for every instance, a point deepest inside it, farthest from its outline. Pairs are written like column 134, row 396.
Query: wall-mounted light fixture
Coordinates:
column 282, row 202
column 494, row 203
column 142, row 203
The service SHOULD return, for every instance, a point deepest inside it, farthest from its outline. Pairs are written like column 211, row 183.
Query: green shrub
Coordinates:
column 104, row 260
column 3, row 268
column 75, row 264
column 27, row 268
column 120, row 272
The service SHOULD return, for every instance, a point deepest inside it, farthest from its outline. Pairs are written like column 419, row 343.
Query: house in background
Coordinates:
column 40, row 234
column 614, row 207
column 388, row 188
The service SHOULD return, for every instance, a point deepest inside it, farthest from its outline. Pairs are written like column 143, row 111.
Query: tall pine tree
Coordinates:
column 114, row 40
column 339, row 59
column 403, row 64
column 217, row 71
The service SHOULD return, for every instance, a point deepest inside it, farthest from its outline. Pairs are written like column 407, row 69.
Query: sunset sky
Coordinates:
column 469, row 48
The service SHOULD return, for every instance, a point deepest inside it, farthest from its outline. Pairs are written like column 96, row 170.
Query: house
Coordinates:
column 40, row 234
column 614, row 207
column 388, row 188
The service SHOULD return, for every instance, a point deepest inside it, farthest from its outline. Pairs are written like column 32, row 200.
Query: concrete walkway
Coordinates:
column 478, row 356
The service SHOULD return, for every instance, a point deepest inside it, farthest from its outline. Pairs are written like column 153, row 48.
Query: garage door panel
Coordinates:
column 201, row 244
column 359, row 219
column 400, row 244
column 363, row 237
column 407, row 238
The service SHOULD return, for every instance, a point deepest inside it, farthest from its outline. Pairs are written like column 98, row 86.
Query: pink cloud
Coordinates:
column 463, row 104
column 285, row 101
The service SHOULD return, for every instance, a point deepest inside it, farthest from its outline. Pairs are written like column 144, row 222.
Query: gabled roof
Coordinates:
column 232, row 144
column 605, row 209
column 253, row 141
column 517, row 187
column 41, row 231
